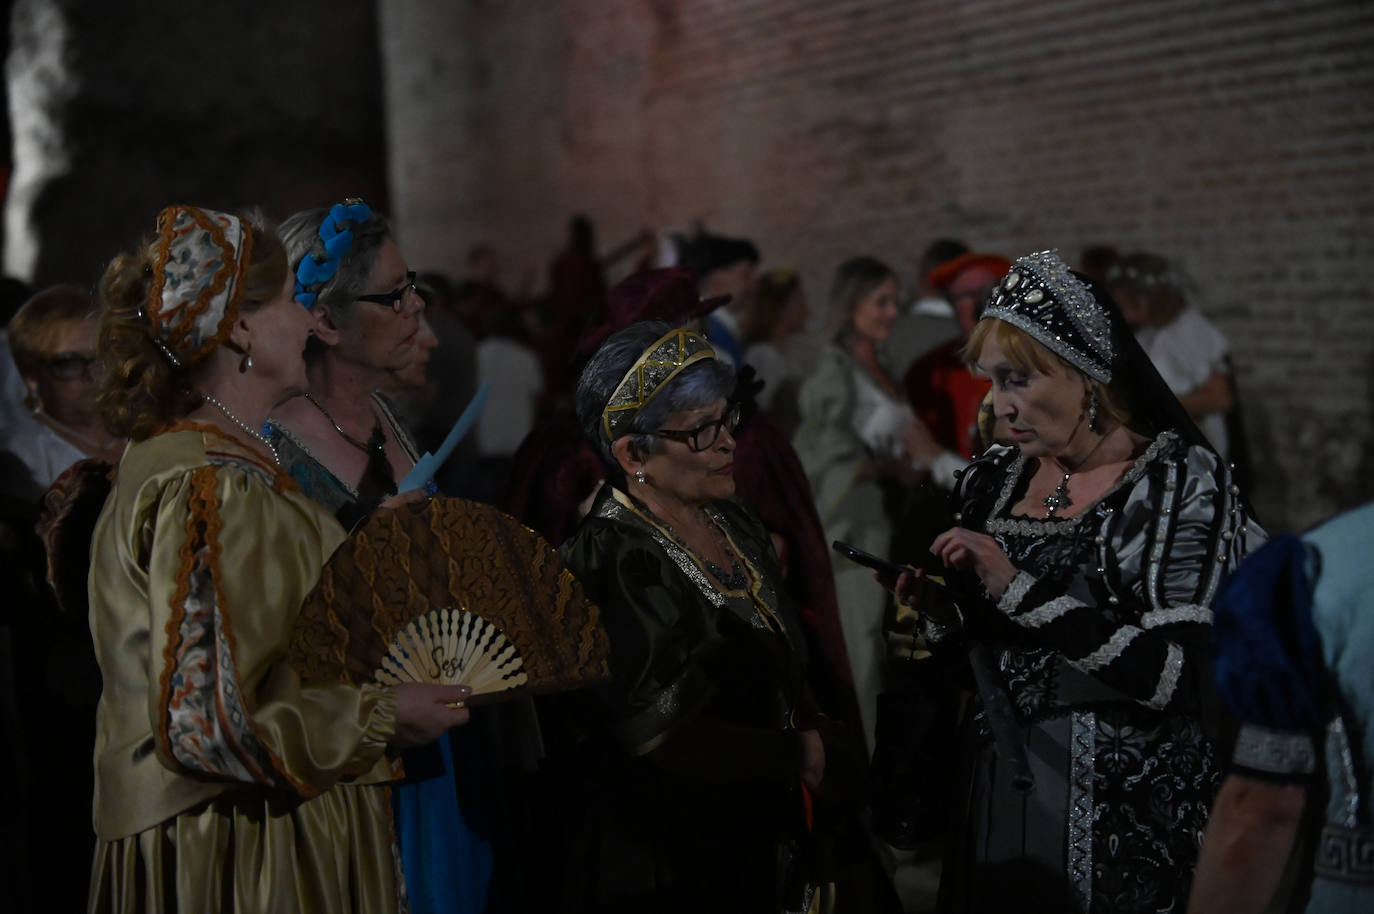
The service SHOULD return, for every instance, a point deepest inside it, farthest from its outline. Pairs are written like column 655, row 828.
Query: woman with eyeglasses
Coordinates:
column 342, row 441
column 53, row 339
column 696, row 760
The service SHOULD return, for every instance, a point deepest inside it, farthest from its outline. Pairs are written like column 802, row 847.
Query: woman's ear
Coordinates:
column 627, row 455
column 240, row 337
column 325, row 329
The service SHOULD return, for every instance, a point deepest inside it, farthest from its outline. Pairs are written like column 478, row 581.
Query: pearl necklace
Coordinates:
column 243, row 425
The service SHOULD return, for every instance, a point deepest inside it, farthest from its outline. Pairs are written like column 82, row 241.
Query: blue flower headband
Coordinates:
column 337, row 240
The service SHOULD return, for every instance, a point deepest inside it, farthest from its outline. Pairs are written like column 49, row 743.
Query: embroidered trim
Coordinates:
column 1082, row 761
column 239, row 718
column 171, row 632
column 1048, row 612
column 1106, row 654
column 1345, row 789
column 1346, row 854
column 1163, row 520
column 240, row 454
column 1016, row 591
column 1274, row 751
column 1168, row 677
column 1174, row 614
column 1029, row 526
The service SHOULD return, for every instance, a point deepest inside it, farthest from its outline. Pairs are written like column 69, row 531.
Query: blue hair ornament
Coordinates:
column 337, row 240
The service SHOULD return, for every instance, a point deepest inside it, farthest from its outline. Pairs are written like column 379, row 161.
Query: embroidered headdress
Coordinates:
column 1042, row 297
column 197, row 286
column 651, row 372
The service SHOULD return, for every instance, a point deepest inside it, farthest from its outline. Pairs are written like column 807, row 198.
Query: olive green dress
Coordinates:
column 222, row 782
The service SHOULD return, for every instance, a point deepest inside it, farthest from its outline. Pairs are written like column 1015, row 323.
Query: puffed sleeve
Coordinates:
column 1139, row 621
column 1268, row 660
column 229, row 563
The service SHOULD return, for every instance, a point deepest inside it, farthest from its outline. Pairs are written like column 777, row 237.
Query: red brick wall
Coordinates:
column 1236, row 137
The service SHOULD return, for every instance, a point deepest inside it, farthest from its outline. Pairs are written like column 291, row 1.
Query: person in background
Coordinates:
column 1097, row 261
column 945, row 394
column 859, row 443
column 53, row 340
column 779, row 314
column 724, row 266
column 506, row 361
column 449, row 383
column 929, row 321
column 1190, row 353
column 223, row 782
column 1294, row 637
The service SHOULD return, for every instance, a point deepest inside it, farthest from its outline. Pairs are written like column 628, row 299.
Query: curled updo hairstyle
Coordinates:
column 699, row 384
column 1154, row 280
column 144, row 392
column 854, row 280
column 301, row 235
column 771, row 295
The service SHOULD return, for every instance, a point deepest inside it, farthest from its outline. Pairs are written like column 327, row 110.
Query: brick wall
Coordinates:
column 1235, row 136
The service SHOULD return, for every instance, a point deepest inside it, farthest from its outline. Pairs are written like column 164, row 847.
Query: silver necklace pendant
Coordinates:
column 1059, row 498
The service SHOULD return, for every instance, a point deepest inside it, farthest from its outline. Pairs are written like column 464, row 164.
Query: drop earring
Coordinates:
column 247, row 361
column 639, row 476
column 1092, row 410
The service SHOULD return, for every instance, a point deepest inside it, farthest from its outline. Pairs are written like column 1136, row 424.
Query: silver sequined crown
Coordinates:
column 1042, row 297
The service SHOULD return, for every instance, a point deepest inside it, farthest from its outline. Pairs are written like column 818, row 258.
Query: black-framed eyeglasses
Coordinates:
column 705, row 436
column 395, row 299
column 68, row 366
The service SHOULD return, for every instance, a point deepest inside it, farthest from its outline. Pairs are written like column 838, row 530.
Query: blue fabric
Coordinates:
column 447, row 865
column 1268, row 656
column 724, row 340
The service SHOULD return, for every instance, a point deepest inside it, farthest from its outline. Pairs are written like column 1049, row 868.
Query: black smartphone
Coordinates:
column 891, row 569
column 868, row 559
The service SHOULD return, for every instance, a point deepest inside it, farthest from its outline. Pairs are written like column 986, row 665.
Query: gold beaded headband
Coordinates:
column 651, row 372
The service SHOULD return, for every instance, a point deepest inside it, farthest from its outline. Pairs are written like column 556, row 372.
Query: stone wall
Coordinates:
column 119, row 109
column 1236, row 137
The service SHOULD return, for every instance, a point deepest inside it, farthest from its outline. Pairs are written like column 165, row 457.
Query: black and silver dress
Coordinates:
column 1102, row 641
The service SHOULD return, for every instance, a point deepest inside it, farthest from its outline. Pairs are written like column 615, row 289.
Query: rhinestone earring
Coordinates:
column 639, row 476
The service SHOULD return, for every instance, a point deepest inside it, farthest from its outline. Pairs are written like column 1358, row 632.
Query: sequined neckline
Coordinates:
column 998, row 523
column 710, row 582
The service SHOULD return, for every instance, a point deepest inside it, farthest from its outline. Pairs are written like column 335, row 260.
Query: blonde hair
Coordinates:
column 854, row 280
column 144, row 392
column 1027, row 354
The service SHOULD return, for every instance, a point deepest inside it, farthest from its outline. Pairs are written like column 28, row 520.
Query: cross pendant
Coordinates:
column 1059, row 498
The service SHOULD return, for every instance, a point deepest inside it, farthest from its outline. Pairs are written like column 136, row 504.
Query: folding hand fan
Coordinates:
column 449, row 591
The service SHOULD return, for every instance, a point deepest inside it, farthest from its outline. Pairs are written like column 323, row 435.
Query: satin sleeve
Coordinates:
column 229, row 563
column 1140, row 620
